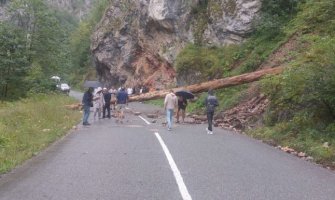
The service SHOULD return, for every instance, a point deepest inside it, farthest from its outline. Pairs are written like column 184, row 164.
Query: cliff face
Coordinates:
column 137, row 42
column 78, row 8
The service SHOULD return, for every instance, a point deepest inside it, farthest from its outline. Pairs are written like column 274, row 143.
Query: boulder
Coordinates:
column 137, row 42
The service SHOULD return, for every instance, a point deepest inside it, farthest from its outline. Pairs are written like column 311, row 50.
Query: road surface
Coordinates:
column 141, row 160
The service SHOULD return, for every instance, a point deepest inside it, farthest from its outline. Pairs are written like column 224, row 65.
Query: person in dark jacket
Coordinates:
column 107, row 106
column 87, row 104
column 182, row 103
column 211, row 103
column 121, row 100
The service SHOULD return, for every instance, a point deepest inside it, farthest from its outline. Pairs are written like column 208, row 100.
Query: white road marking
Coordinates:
column 127, row 108
column 179, row 179
column 146, row 121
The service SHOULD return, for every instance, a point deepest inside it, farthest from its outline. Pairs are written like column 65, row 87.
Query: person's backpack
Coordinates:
column 210, row 107
column 211, row 104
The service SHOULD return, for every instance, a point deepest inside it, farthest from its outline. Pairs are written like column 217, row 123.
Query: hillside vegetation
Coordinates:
column 38, row 41
column 30, row 125
column 299, row 35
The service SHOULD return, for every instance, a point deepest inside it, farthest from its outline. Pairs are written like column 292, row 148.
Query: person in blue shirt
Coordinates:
column 87, row 102
column 121, row 101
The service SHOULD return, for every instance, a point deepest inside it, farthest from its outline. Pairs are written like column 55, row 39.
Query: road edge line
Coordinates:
column 146, row 121
column 179, row 179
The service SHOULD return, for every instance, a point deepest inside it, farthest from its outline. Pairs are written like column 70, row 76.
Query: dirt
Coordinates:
column 283, row 54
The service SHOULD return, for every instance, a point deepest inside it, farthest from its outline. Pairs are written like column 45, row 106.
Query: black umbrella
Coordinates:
column 186, row 94
column 93, row 84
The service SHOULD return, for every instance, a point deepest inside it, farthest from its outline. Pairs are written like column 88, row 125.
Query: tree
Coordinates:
column 47, row 39
column 13, row 60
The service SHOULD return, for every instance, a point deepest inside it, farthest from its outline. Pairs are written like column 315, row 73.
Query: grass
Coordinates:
column 30, row 125
column 306, row 140
column 156, row 102
column 301, row 114
column 227, row 97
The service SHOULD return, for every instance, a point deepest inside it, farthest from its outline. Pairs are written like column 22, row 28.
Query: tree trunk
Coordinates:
column 215, row 84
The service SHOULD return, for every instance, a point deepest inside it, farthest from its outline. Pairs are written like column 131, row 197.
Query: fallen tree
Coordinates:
column 214, row 84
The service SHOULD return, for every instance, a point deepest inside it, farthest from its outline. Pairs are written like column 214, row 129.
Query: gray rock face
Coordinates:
column 137, row 41
column 231, row 20
column 78, row 8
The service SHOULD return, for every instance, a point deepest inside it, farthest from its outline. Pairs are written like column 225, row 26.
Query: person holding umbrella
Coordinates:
column 182, row 103
column 87, row 104
column 183, row 95
column 211, row 103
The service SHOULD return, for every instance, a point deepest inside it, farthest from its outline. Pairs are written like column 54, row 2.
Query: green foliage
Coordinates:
column 302, row 110
column 227, row 97
column 156, row 102
column 306, row 140
column 211, row 62
column 200, row 21
column 45, row 35
column 315, row 16
column 35, row 46
column 274, row 15
column 309, row 85
column 80, row 43
column 29, row 125
column 13, row 61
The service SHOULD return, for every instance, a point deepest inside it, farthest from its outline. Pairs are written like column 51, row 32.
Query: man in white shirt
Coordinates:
column 130, row 91
column 170, row 103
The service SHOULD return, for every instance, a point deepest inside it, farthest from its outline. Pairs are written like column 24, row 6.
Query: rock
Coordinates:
column 138, row 43
column 189, row 120
column 200, row 117
column 309, row 158
column 46, row 130
column 137, row 113
column 77, row 106
column 326, row 145
column 79, row 10
column 287, row 149
column 152, row 115
column 302, row 154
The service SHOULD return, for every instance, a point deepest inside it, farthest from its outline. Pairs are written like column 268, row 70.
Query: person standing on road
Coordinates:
column 211, row 102
column 107, row 106
column 170, row 103
column 113, row 93
column 182, row 103
column 98, row 103
column 87, row 102
column 121, row 100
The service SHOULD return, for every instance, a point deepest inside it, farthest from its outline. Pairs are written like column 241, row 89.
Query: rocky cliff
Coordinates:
column 137, row 41
column 78, row 8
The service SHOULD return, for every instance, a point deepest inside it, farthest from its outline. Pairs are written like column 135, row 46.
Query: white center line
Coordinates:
column 146, row 121
column 179, row 179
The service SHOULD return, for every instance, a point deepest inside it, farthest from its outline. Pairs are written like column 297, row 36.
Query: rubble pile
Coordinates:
column 243, row 116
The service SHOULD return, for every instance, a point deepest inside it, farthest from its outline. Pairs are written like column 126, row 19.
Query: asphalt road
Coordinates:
column 140, row 160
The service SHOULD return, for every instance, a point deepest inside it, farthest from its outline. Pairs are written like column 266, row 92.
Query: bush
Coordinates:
column 28, row 126
column 208, row 62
